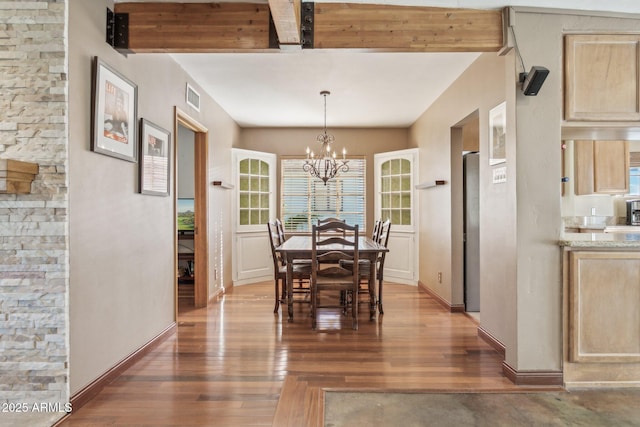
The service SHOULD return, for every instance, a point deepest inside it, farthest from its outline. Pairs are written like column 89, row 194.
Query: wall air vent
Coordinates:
column 193, row 98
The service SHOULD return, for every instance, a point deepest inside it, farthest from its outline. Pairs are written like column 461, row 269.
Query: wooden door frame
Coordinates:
column 201, row 233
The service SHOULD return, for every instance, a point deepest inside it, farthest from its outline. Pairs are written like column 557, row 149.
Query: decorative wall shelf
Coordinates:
column 223, row 184
column 16, row 176
column 430, row 184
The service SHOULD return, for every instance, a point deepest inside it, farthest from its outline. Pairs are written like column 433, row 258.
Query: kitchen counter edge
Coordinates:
column 601, row 240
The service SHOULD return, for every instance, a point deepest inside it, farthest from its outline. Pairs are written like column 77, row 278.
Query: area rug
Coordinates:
column 620, row 407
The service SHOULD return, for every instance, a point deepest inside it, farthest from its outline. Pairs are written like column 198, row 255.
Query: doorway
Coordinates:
column 465, row 198
column 194, row 139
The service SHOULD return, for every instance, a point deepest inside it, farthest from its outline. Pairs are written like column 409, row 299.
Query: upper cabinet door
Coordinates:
column 601, row 167
column 601, row 77
column 609, row 176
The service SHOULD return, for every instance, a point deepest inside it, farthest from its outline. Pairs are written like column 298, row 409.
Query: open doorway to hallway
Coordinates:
column 191, row 193
column 185, row 194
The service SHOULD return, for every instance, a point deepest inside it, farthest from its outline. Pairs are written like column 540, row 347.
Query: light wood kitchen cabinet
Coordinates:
column 603, row 307
column 601, row 167
column 602, row 79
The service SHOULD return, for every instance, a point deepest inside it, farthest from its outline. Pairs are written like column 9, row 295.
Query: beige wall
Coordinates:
column 358, row 142
column 479, row 89
column 122, row 243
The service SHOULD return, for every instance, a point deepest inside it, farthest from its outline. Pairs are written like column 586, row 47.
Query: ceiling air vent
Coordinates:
column 193, row 97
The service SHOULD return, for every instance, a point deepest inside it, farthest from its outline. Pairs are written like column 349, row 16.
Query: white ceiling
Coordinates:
column 367, row 89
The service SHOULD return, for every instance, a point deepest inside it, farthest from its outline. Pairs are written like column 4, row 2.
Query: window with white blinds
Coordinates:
column 304, row 199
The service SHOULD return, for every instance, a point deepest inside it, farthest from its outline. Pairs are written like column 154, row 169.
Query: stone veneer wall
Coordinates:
column 34, row 252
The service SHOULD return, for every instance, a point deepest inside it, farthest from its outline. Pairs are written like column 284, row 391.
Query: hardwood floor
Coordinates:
column 235, row 363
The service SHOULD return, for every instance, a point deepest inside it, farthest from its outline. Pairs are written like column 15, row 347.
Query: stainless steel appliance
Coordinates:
column 633, row 212
column 471, row 188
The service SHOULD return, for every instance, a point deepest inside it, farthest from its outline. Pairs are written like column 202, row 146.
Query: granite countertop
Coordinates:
column 600, row 240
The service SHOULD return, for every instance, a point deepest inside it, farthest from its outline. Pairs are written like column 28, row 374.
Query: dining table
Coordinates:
column 299, row 247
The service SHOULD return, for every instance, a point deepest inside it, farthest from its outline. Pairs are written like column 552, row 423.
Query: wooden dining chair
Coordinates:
column 280, row 228
column 283, row 237
column 376, row 229
column 301, row 271
column 328, row 276
column 383, row 239
column 323, row 221
column 365, row 264
column 380, row 235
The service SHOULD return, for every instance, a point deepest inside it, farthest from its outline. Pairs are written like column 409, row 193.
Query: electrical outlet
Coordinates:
column 439, row 277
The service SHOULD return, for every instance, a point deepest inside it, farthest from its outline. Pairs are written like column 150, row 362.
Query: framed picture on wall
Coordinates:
column 155, row 157
column 498, row 134
column 114, row 115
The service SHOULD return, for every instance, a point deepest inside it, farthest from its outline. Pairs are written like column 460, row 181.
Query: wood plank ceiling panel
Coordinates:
column 406, row 28
column 196, row 27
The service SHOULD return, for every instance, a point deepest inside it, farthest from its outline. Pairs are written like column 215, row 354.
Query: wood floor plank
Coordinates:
column 236, row 363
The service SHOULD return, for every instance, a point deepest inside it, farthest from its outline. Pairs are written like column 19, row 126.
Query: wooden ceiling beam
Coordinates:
column 244, row 27
column 286, row 17
column 406, row 28
column 196, row 27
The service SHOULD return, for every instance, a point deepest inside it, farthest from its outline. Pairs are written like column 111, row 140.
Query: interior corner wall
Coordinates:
column 121, row 242
column 357, row 141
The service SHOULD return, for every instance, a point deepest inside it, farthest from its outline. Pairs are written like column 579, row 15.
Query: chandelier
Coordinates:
column 325, row 166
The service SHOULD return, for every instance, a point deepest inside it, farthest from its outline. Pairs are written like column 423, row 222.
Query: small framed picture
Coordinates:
column 155, row 157
column 498, row 134
column 113, row 124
